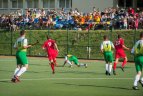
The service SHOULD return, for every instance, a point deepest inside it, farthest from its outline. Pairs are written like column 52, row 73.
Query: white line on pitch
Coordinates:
column 72, row 79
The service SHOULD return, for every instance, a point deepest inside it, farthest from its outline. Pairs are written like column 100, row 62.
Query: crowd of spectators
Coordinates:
column 117, row 18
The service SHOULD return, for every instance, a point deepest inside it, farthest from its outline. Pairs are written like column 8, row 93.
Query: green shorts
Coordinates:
column 74, row 59
column 139, row 63
column 21, row 57
column 108, row 56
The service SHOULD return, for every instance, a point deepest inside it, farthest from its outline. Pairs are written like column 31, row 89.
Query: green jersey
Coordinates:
column 107, row 46
column 20, row 43
column 138, row 51
column 72, row 58
column 138, row 48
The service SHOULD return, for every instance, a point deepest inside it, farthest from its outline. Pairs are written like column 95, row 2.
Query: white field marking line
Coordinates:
column 15, row 59
column 72, row 79
column 7, row 60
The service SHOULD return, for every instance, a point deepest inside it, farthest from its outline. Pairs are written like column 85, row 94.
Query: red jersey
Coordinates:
column 49, row 45
column 119, row 45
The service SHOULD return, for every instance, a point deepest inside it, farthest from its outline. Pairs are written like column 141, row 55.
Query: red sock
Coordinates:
column 53, row 67
column 114, row 66
column 124, row 63
column 55, row 62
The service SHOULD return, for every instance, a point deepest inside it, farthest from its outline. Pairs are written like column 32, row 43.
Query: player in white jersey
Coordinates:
column 137, row 50
column 106, row 49
column 21, row 46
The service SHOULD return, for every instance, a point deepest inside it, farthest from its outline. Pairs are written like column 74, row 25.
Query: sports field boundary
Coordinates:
column 45, row 58
column 41, row 79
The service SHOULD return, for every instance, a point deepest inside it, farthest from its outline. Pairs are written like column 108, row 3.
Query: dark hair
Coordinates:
column 66, row 54
column 119, row 36
column 22, row 32
column 141, row 35
column 105, row 37
column 48, row 37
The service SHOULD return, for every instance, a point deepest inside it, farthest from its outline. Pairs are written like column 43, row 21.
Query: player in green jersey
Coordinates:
column 106, row 49
column 137, row 50
column 21, row 46
column 71, row 58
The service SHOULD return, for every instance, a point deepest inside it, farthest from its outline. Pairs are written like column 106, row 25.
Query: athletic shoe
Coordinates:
column 141, row 82
column 122, row 68
column 70, row 66
column 17, row 79
column 85, row 65
column 109, row 74
column 13, row 80
column 135, row 88
column 114, row 72
column 106, row 73
column 53, row 72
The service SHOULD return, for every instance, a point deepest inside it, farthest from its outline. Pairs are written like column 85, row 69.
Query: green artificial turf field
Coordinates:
column 75, row 81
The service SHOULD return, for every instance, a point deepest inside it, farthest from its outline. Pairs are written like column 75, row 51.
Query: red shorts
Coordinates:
column 52, row 55
column 120, row 55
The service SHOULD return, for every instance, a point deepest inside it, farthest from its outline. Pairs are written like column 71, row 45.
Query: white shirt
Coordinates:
column 22, row 41
column 105, row 43
column 136, row 44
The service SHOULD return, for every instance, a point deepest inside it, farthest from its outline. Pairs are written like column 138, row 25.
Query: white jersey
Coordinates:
column 20, row 43
column 106, row 46
column 138, row 47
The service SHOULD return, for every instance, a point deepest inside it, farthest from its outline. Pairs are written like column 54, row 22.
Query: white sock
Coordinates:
column 69, row 63
column 106, row 67
column 142, row 79
column 22, row 70
column 137, row 78
column 16, row 71
column 82, row 64
column 110, row 68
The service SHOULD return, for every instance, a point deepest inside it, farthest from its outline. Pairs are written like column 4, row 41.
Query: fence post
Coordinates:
column 48, row 30
column 88, row 48
column 67, row 40
column 135, row 36
column 134, row 40
column 29, row 43
column 11, row 42
column 111, row 31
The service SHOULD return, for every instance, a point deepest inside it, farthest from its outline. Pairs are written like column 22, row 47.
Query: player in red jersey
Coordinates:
column 119, row 46
column 51, row 48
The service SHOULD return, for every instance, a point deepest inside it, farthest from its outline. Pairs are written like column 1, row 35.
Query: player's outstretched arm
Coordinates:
column 56, row 47
column 126, row 47
column 101, row 48
column 133, row 51
column 64, row 63
column 28, row 46
column 101, row 51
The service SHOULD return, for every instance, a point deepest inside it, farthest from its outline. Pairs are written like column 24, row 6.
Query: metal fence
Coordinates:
column 83, row 44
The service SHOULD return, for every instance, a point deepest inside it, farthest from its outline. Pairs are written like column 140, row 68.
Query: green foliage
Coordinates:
column 75, row 43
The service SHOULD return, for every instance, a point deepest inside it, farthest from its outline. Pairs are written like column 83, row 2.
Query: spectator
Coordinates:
column 39, row 18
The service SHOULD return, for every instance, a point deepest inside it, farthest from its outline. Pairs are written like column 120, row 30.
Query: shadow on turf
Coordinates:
column 38, row 71
column 81, row 72
column 27, row 71
column 32, row 64
column 95, row 86
column 125, row 67
column 6, row 70
column 6, row 81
